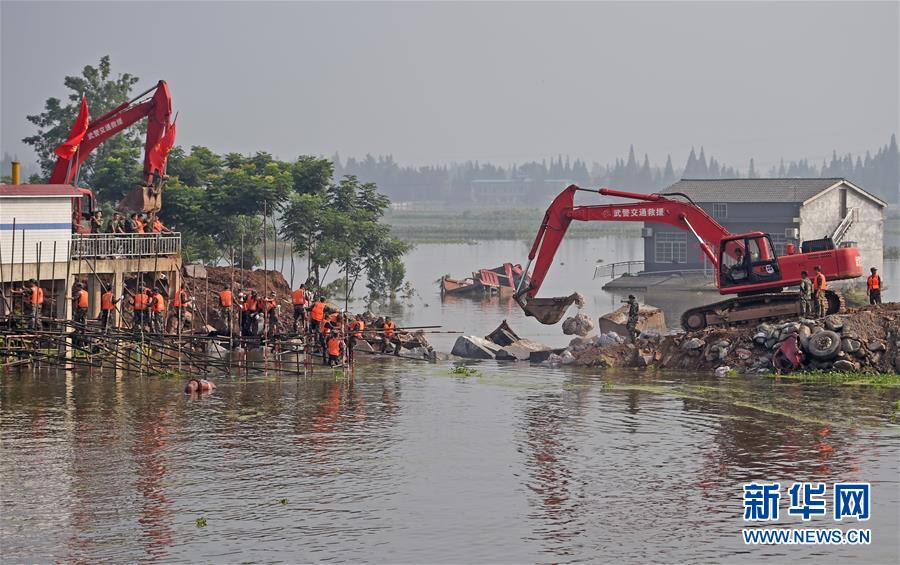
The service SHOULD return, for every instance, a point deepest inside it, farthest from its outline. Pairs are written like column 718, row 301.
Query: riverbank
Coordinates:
column 859, row 346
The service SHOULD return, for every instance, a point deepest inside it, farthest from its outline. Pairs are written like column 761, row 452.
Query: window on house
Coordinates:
column 670, row 247
column 719, row 210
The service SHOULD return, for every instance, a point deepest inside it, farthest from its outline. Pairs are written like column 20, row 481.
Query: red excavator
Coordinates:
column 745, row 264
column 147, row 197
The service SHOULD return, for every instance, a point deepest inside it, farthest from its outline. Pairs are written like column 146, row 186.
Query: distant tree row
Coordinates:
column 878, row 173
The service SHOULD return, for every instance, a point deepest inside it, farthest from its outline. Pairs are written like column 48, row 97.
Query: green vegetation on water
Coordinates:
column 200, row 522
column 835, row 377
column 464, row 371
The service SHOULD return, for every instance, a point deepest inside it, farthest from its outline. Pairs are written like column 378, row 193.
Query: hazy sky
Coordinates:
column 503, row 82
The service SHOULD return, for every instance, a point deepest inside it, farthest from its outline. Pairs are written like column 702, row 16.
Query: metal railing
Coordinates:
column 613, row 270
column 839, row 232
column 112, row 245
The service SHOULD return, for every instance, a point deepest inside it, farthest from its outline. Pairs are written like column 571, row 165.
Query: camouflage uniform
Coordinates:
column 631, row 325
column 806, row 298
column 821, row 299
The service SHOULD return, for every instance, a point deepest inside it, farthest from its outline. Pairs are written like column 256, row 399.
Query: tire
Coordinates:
column 824, row 345
column 693, row 320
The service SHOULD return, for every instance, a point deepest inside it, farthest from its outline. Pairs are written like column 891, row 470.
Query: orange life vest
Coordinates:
column 267, row 304
column 318, row 312
column 298, row 297
column 819, row 282
column 139, row 226
column 159, row 303
column 181, row 299
column 37, row 295
column 250, row 304
column 357, row 328
column 140, row 301
column 81, row 299
column 156, row 226
column 326, row 328
column 225, row 298
column 334, row 346
column 106, row 301
column 389, row 329
column 873, row 282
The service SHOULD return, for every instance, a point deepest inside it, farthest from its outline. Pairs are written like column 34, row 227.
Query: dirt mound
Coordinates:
column 206, row 292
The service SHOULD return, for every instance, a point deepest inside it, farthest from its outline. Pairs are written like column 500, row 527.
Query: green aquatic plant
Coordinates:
column 167, row 374
column 873, row 378
column 201, row 522
column 282, row 501
column 464, row 371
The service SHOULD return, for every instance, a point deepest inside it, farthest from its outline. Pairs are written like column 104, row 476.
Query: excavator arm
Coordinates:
column 650, row 208
column 158, row 111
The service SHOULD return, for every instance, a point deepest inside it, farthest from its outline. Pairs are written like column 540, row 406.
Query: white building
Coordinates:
column 41, row 216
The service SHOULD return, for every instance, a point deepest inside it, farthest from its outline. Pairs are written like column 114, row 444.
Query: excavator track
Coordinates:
column 751, row 309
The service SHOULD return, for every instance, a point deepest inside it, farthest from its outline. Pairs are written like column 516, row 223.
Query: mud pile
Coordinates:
column 206, row 291
column 862, row 339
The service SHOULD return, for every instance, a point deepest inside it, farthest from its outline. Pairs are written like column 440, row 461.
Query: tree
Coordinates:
column 103, row 94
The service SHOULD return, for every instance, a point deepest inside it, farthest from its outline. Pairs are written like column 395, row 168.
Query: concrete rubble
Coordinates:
column 502, row 344
column 580, row 324
column 863, row 339
column 649, row 318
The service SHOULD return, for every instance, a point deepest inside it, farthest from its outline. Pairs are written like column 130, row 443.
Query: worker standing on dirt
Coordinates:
column 806, row 295
column 270, row 310
column 820, row 285
column 107, row 307
column 299, row 300
column 873, row 287
column 634, row 310
column 226, row 302
column 317, row 315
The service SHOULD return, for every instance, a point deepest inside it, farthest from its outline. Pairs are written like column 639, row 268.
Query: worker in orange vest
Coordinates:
column 249, row 308
column 356, row 330
column 107, row 308
column 182, row 303
column 226, row 302
column 317, row 315
column 299, row 301
column 269, row 308
column 158, row 307
column 334, row 348
column 327, row 329
column 873, row 287
column 79, row 305
column 820, row 285
column 140, row 303
column 387, row 336
column 139, row 225
column 34, row 296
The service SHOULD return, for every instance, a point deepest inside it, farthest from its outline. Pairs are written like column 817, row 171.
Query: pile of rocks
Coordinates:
column 860, row 340
column 502, row 344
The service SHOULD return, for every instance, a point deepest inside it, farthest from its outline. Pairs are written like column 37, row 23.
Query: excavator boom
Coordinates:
column 752, row 266
column 158, row 111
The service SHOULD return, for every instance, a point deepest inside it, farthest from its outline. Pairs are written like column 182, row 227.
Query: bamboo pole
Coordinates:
column 53, row 283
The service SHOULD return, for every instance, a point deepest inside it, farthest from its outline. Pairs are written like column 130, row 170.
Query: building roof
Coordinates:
column 799, row 190
column 37, row 190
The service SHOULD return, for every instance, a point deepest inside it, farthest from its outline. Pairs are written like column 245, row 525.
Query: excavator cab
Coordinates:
column 747, row 259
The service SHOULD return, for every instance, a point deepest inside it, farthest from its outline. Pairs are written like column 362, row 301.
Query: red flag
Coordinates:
column 79, row 128
column 161, row 150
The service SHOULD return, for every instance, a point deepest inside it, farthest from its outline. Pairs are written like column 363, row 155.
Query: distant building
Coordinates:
column 516, row 191
column 791, row 210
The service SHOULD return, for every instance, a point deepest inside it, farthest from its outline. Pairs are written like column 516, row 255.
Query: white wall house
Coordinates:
column 40, row 213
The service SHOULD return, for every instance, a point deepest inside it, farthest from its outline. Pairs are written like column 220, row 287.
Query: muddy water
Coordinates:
column 408, row 463
column 405, row 462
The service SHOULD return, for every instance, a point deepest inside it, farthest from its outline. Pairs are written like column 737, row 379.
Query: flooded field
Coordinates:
column 406, row 462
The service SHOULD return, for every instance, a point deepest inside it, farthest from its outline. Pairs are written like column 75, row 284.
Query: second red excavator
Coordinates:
column 745, row 264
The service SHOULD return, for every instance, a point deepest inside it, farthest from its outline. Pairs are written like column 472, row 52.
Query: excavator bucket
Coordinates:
column 143, row 199
column 547, row 311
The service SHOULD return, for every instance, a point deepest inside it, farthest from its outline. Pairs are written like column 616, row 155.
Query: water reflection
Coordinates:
column 407, row 463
